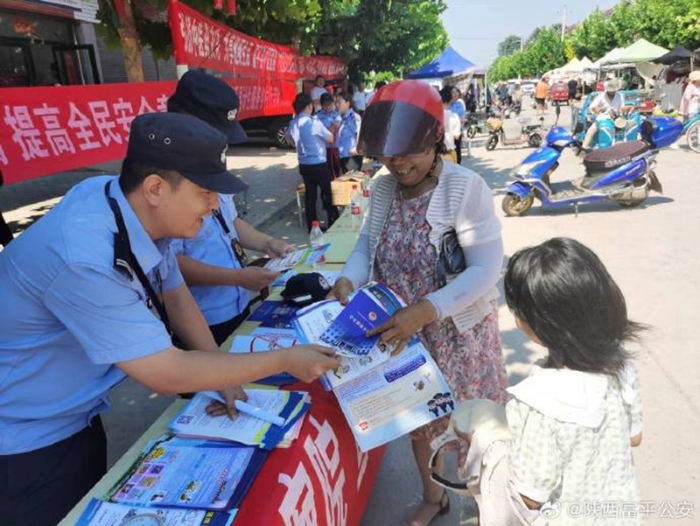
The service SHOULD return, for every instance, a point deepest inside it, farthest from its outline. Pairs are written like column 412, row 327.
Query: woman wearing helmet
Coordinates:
column 411, row 209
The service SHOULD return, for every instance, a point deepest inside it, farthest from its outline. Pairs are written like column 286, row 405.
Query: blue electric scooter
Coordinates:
column 623, row 173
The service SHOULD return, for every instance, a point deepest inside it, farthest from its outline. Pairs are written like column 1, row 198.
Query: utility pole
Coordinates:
column 521, row 44
column 563, row 23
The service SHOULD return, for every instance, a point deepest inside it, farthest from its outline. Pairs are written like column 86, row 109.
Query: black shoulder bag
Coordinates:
column 451, row 257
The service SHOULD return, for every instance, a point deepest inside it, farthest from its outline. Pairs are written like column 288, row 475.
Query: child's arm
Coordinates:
column 631, row 395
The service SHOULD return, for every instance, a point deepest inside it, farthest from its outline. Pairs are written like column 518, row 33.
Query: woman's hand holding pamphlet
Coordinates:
column 383, row 397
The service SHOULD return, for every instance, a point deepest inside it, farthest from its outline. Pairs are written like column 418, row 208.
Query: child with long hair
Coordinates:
column 574, row 420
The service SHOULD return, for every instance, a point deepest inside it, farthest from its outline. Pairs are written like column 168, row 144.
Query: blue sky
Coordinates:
column 475, row 27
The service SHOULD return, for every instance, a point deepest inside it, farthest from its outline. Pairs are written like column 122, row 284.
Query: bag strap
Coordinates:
column 126, row 263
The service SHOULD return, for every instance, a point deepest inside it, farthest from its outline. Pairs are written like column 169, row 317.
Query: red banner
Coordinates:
column 322, row 480
column 200, row 42
column 54, row 129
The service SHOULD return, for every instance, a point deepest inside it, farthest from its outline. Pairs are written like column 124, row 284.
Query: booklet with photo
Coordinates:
column 285, row 407
column 187, row 473
column 382, row 397
column 101, row 513
column 299, row 258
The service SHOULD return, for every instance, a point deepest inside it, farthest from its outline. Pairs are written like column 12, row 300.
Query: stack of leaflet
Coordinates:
column 382, row 397
column 274, row 314
column 100, row 513
column 300, row 258
column 196, row 474
column 271, row 418
column 331, row 276
column 265, row 339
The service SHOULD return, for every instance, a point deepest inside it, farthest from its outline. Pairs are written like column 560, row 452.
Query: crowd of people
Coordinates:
column 136, row 268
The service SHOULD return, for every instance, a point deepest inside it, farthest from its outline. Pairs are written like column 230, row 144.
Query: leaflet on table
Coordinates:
column 274, row 313
column 265, row 339
column 101, row 513
column 403, row 394
column 187, row 473
column 307, row 256
column 330, row 275
column 194, row 421
column 370, row 307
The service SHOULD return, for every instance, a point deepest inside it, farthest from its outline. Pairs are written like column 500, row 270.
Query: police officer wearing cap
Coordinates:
column 213, row 263
column 90, row 293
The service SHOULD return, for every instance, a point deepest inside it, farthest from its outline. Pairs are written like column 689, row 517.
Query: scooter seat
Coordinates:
column 618, row 154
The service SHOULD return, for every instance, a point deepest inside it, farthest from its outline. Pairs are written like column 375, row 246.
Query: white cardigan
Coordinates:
column 461, row 201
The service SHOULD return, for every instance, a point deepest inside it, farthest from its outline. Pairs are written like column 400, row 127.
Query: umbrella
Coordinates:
column 677, row 54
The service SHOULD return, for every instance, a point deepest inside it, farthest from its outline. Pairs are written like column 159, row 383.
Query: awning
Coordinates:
column 449, row 63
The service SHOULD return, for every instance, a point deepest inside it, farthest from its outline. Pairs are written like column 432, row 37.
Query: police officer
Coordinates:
column 89, row 293
column 213, row 263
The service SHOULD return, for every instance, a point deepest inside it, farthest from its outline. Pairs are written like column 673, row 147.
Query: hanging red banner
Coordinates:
column 200, row 42
column 48, row 130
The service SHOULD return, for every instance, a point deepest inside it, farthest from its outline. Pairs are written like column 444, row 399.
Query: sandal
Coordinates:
column 443, row 508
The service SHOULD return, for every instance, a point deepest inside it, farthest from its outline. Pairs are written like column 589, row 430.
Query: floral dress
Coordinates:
column 472, row 363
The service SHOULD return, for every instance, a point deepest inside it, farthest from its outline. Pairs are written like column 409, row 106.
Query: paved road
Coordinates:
column 649, row 251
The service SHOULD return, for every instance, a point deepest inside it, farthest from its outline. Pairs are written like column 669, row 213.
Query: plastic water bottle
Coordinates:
column 316, row 241
column 366, row 194
column 356, row 207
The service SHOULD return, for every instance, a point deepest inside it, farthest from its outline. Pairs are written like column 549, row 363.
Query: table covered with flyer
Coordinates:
column 297, row 453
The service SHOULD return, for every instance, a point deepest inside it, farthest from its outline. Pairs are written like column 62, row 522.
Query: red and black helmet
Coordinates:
column 404, row 118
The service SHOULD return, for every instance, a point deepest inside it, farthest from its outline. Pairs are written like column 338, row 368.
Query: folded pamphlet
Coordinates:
column 382, row 397
column 300, row 258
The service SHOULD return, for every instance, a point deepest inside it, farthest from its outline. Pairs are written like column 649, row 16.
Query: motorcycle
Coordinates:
column 623, row 173
column 530, row 134
column 476, row 123
column 614, row 128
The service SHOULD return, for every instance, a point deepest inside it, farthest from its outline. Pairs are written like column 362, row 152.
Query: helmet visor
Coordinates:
column 398, row 129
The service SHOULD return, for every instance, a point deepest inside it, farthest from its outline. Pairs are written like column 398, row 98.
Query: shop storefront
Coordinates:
column 46, row 43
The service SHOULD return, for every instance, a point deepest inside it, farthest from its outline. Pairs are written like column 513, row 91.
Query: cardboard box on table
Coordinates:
column 341, row 188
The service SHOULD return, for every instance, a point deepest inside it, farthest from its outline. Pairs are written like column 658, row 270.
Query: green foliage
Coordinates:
column 509, row 45
column 543, row 53
column 368, row 35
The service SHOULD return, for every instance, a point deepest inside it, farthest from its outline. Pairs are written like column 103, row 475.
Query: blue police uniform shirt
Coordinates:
column 309, row 135
column 348, row 133
column 459, row 108
column 328, row 117
column 72, row 316
column 213, row 246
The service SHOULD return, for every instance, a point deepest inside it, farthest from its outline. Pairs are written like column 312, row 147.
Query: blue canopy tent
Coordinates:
column 448, row 64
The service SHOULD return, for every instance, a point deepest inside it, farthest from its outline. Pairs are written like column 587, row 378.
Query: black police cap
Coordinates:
column 185, row 144
column 210, row 99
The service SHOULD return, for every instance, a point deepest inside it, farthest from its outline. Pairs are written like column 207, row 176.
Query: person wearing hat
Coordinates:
column 310, row 137
column 690, row 103
column 94, row 291
column 611, row 102
column 420, row 205
column 213, row 263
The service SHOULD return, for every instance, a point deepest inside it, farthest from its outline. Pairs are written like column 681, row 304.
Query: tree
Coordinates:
column 509, row 45
column 368, row 35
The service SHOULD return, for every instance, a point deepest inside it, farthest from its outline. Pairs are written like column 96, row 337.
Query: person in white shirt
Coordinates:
column 359, row 98
column 453, row 127
column 318, row 90
column 690, row 103
column 611, row 102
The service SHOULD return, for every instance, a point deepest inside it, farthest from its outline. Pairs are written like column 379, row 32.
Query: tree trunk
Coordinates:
column 130, row 43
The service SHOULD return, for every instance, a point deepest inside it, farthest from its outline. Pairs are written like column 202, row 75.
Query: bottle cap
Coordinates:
column 354, row 187
column 315, row 223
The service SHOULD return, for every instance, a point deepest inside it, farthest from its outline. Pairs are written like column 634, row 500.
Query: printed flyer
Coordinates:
column 307, row 256
column 100, row 513
column 382, row 397
column 188, row 473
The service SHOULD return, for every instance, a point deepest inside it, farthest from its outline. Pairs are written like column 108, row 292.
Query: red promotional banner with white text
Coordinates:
column 54, row 129
column 201, row 42
column 322, row 480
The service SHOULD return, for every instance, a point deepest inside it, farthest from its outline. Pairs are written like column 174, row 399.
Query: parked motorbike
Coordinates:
column 476, row 123
column 530, row 134
column 623, row 173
